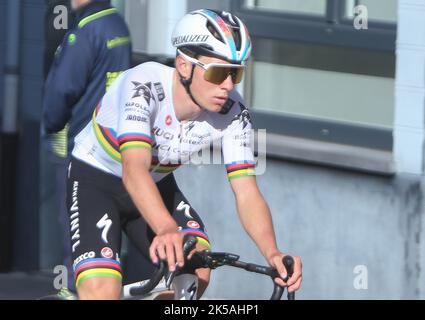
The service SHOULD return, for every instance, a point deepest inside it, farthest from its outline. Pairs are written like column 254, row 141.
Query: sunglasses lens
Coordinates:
column 217, row 75
column 237, row 75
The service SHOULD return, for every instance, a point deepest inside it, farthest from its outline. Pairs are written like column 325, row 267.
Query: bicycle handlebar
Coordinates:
column 213, row 260
column 288, row 262
column 188, row 244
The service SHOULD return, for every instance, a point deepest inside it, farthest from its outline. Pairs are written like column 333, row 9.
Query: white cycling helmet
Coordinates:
column 213, row 33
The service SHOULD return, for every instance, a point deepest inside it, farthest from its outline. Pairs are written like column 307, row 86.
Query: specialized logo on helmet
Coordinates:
column 142, row 90
column 193, row 38
column 216, row 33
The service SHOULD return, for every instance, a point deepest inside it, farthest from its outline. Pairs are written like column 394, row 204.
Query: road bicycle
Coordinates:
column 183, row 281
column 184, row 284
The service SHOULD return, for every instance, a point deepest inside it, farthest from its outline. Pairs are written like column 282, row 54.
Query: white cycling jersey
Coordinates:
column 138, row 112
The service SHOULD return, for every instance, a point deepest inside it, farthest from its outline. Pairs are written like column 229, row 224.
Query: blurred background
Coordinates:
column 339, row 85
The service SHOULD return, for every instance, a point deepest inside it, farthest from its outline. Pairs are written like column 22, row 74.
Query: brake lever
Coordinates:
column 288, row 262
column 189, row 244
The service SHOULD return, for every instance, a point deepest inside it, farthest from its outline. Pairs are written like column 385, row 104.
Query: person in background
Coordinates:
column 93, row 52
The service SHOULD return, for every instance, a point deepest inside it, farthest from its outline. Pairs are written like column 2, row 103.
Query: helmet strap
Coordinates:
column 186, row 83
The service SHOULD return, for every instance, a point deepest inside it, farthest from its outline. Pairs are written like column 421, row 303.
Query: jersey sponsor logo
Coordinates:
column 132, row 117
column 84, row 256
column 243, row 138
column 104, row 224
column 190, row 126
column 193, row 38
column 107, row 253
column 168, row 120
column 159, row 90
column 194, row 142
column 184, row 206
column 193, row 224
column 201, row 136
column 161, row 133
column 142, row 90
column 243, row 117
column 168, row 148
column 137, row 107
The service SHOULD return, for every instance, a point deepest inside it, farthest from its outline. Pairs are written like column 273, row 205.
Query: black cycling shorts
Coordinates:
column 100, row 207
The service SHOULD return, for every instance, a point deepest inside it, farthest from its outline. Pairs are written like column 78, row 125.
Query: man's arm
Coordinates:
column 145, row 195
column 255, row 215
column 67, row 81
column 256, row 218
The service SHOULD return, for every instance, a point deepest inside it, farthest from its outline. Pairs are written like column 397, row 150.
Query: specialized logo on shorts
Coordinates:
column 107, row 253
column 192, row 290
column 168, row 120
column 193, row 224
column 104, row 223
column 84, row 256
column 184, row 206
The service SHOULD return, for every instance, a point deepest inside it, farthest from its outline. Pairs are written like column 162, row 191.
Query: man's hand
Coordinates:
column 294, row 283
column 168, row 246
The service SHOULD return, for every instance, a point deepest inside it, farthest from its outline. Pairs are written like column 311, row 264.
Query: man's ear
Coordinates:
column 183, row 66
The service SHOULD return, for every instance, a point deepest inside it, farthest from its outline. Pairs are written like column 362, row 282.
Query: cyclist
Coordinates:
column 152, row 120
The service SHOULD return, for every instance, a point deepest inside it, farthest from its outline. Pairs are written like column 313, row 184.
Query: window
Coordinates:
column 313, row 7
column 315, row 81
column 378, row 10
column 315, row 76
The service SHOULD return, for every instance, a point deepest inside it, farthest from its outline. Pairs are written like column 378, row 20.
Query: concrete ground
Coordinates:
column 25, row 286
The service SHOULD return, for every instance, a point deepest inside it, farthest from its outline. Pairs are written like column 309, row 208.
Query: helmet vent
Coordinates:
column 214, row 32
column 236, row 36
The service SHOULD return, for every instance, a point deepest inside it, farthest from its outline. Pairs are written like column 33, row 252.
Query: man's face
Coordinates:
column 76, row 4
column 210, row 95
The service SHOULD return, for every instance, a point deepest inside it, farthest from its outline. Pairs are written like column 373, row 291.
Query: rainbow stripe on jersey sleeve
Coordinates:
column 240, row 169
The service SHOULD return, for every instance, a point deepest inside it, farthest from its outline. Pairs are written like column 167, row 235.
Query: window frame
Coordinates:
column 333, row 29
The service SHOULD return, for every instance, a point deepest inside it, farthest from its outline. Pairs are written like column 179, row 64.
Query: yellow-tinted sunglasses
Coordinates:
column 218, row 72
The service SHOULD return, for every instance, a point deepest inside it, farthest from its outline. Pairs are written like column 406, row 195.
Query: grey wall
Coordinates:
column 2, row 44
column 210, row 4
column 335, row 220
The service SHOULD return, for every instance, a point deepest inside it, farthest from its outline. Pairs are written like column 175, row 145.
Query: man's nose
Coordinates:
column 228, row 83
